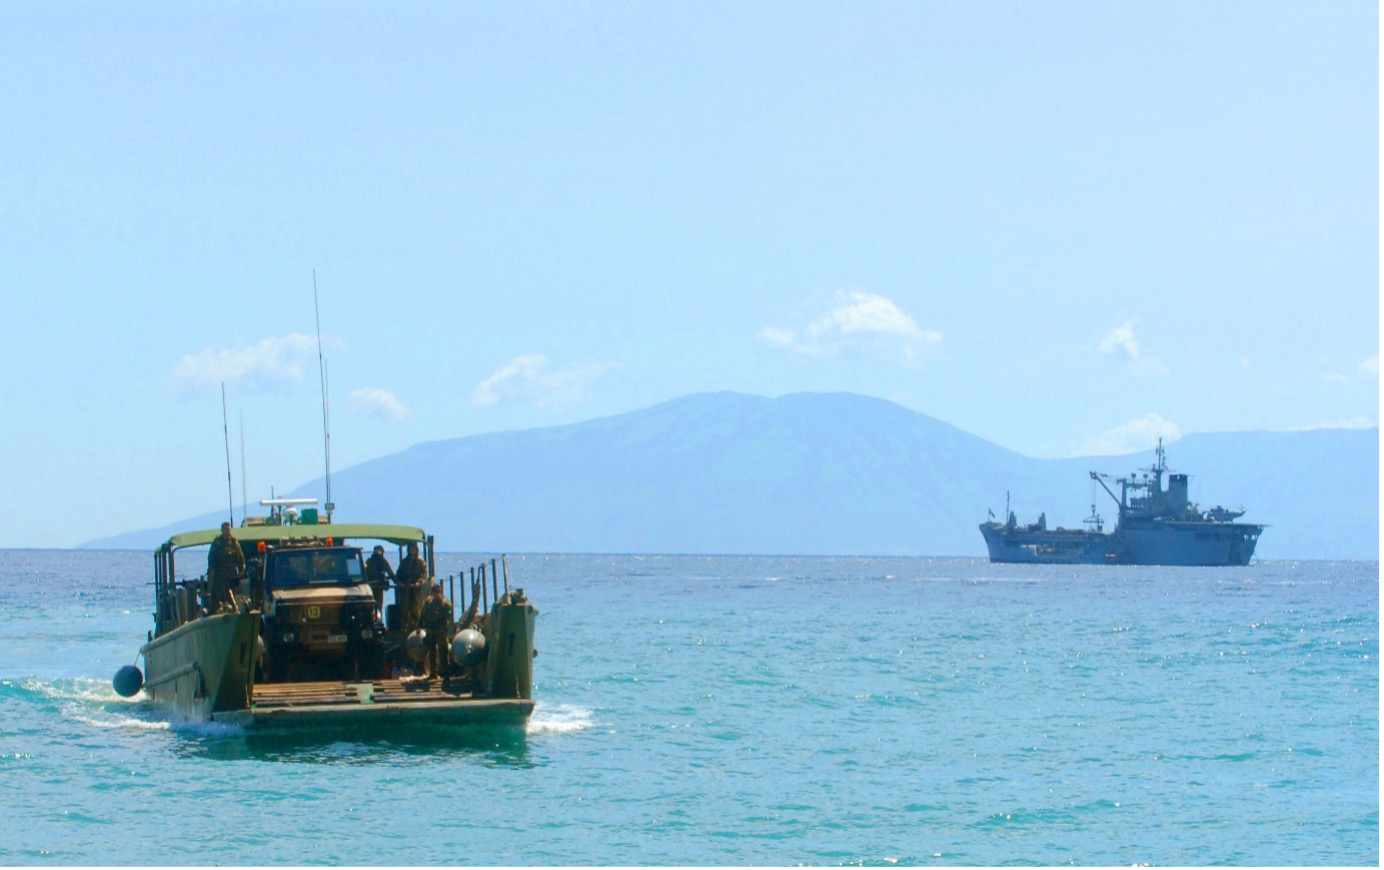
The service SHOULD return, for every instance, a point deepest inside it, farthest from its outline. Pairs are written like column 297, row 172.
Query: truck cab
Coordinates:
column 320, row 619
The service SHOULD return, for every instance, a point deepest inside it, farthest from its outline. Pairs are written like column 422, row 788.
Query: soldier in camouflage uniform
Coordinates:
column 225, row 566
column 378, row 574
column 410, row 591
column 436, row 620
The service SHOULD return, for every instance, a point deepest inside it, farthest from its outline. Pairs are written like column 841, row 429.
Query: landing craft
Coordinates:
column 1156, row 526
column 308, row 643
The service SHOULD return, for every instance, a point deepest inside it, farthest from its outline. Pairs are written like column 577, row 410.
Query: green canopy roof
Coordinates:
column 336, row 531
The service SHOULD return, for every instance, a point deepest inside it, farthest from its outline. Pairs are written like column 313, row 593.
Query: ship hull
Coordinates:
column 1158, row 543
column 203, row 666
column 1189, row 543
column 1045, row 547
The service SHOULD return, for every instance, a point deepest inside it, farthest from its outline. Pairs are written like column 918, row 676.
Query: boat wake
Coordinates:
column 559, row 719
column 90, row 702
column 95, row 704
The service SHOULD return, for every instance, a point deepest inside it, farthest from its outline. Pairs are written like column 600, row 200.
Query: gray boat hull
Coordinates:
column 1171, row 542
column 1160, row 543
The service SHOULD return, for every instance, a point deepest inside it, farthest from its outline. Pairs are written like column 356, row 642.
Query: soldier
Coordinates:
column 378, row 574
column 436, row 620
column 409, row 581
column 225, row 565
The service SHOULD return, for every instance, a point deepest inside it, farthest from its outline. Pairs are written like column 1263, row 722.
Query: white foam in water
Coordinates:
column 207, row 729
column 94, row 703
column 142, row 717
column 77, row 689
column 558, row 719
column 117, row 721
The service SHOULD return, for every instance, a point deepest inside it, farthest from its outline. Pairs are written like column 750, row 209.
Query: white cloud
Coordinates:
column 860, row 321
column 1121, row 338
column 374, row 402
column 1122, row 341
column 866, row 313
column 1139, row 434
column 1367, row 370
column 531, row 379
column 274, row 360
column 777, row 336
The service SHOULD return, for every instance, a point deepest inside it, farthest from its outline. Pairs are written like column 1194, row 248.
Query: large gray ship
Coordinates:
column 1156, row 526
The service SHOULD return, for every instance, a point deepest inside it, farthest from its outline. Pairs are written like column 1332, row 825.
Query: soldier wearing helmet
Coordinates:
column 411, row 579
column 378, row 574
column 436, row 620
column 225, row 566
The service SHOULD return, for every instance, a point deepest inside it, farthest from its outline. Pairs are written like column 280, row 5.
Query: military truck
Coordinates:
column 321, row 621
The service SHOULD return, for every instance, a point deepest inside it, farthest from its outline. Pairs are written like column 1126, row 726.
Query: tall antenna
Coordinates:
column 226, row 428
column 327, row 416
column 244, row 501
column 322, row 370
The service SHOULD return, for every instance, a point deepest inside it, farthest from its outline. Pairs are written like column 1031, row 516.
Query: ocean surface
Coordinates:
column 751, row 711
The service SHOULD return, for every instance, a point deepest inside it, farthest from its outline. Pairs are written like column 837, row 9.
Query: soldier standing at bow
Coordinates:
column 225, row 566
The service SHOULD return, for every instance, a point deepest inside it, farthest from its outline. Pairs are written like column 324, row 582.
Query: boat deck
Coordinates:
column 279, row 695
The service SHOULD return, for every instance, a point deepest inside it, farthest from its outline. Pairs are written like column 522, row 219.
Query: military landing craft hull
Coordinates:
column 203, row 665
column 317, row 656
column 204, row 671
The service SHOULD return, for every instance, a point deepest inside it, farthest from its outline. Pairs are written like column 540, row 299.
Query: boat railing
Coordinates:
column 481, row 597
column 180, row 602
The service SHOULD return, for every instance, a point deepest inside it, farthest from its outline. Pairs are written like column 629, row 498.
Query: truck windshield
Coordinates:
column 338, row 567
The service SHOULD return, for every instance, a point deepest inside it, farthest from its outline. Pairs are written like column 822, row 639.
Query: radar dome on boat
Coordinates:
column 468, row 647
column 127, row 681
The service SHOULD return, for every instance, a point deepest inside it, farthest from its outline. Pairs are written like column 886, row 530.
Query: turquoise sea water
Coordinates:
column 733, row 710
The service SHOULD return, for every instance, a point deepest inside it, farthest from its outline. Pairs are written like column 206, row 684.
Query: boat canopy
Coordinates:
column 399, row 535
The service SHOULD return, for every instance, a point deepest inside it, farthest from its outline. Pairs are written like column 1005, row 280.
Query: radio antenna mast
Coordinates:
column 322, row 371
column 226, row 428
column 244, row 500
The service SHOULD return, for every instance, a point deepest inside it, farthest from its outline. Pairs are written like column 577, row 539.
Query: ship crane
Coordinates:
column 1101, row 479
column 1095, row 520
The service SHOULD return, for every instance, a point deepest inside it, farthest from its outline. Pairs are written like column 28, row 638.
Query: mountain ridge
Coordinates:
column 817, row 474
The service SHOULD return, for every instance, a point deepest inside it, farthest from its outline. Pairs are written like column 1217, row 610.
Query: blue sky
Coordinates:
column 1069, row 228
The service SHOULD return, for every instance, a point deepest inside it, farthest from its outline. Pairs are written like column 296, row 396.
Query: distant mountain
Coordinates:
column 820, row 474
